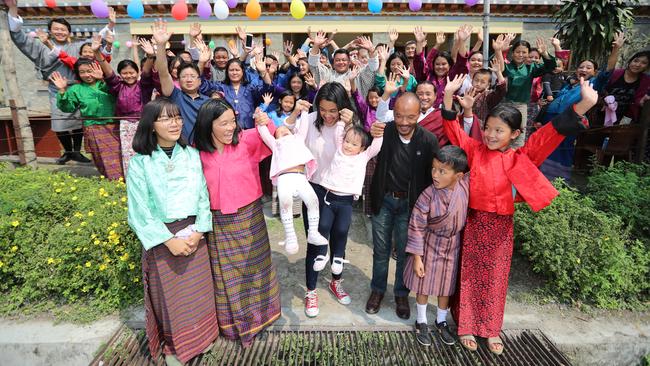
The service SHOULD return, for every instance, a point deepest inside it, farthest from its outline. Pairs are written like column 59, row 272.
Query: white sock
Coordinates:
column 422, row 313
column 441, row 315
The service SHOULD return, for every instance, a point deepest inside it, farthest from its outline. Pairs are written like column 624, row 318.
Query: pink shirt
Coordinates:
column 233, row 176
column 346, row 173
column 288, row 152
column 322, row 144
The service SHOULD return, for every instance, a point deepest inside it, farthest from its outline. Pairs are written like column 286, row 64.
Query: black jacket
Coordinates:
column 422, row 149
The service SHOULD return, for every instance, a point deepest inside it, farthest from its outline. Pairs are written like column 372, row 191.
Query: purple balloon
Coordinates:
column 204, row 10
column 231, row 3
column 471, row 2
column 99, row 8
column 415, row 5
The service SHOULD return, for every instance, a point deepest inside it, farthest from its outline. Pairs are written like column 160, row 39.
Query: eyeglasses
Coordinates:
column 169, row 120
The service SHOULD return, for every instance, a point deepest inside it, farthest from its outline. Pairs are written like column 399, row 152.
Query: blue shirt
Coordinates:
column 278, row 120
column 189, row 108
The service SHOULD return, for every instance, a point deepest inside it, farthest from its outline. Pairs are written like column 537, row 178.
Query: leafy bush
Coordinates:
column 624, row 190
column 585, row 254
column 64, row 240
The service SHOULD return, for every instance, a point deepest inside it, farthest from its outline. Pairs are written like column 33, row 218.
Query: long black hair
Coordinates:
column 303, row 90
column 210, row 111
column 127, row 63
column 333, row 92
column 145, row 141
column 244, row 79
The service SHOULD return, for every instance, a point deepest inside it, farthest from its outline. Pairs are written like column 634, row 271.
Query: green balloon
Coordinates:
column 211, row 44
column 116, row 44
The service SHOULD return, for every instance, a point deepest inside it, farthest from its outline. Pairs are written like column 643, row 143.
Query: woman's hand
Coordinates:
column 159, row 33
column 146, row 46
column 346, row 115
column 59, row 81
column 179, row 247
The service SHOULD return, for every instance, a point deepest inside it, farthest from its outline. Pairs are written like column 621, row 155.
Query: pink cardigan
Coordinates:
column 233, row 176
column 288, row 152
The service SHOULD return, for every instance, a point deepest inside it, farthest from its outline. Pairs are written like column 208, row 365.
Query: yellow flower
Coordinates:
column 15, row 223
column 120, row 179
column 83, row 223
column 124, row 257
column 115, row 224
column 102, row 190
column 578, row 260
column 14, row 249
column 77, row 249
column 73, row 188
column 91, row 213
column 131, row 266
column 93, row 236
column 88, row 264
column 123, row 199
column 101, row 177
column 78, row 215
column 75, row 181
column 105, row 194
column 78, row 230
column 96, row 241
column 102, row 267
column 136, row 279
column 114, row 203
column 1, row 264
column 50, row 260
column 74, row 198
column 67, row 224
column 58, row 190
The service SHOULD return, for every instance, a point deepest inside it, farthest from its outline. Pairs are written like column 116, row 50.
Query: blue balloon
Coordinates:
column 375, row 6
column 135, row 9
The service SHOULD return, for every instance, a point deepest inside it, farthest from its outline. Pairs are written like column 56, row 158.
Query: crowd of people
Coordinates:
column 438, row 147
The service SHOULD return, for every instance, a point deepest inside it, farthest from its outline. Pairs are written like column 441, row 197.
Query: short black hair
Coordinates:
column 483, row 72
column 244, row 78
column 284, row 94
column 521, row 43
column 187, row 65
column 60, row 21
column 81, row 61
column 409, row 42
column 209, row 111
column 425, row 82
column 86, row 44
column 271, row 57
column 359, row 131
column 145, row 141
column 644, row 53
column 593, row 62
column 453, row 156
column 127, row 63
column 508, row 113
column 534, row 49
column 447, row 56
column 339, row 51
column 394, row 55
column 220, row 49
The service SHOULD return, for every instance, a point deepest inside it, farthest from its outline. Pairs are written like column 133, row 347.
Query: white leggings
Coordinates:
column 296, row 184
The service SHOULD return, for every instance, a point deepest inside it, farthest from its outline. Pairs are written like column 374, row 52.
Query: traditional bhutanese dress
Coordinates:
column 165, row 196
column 487, row 242
column 246, row 285
column 434, row 234
column 101, row 136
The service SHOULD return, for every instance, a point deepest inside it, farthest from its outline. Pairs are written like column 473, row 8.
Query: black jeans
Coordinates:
column 334, row 224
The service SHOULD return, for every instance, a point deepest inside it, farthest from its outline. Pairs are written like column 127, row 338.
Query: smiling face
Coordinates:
column 497, row 135
column 476, row 62
column 520, row 54
column 427, row 95
column 586, row 70
column 86, row 74
column 480, row 81
column 281, row 132
column 235, row 73
column 86, row 52
column 533, row 58
column 220, row 59
column 396, row 65
column 441, row 66
column 296, row 84
column 223, row 128
column 352, row 143
column 410, row 50
column 341, row 63
column 304, row 67
column 129, row 75
column 373, row 99
column 59, row 32
column 168, row 128
column 638, row 65
column 406, row 114
column 329, row 112
column 443, row 175
column 363, row 56
column 174, row 70
column 287, row 103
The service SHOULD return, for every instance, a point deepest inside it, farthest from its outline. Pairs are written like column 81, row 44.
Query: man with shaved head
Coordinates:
column 403, row 172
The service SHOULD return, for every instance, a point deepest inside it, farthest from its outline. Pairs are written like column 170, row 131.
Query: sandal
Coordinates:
column 493, row 345
column 465, row 341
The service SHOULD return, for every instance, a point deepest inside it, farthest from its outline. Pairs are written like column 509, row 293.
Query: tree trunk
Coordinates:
column 24, row 138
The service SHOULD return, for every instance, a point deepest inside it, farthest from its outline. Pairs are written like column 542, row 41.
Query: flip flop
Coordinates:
column 492, row 342
column 470, row 338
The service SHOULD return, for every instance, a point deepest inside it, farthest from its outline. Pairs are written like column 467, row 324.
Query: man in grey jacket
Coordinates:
column 67, row 126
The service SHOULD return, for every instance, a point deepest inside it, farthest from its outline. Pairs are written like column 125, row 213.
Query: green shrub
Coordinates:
column 624, row 190
column 585, row 254
column 64, row 240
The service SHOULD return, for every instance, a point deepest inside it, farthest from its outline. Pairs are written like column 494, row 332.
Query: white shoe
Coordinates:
column 311, row 303
column 337, row 265
column 315, row 238
column 172, row 360
column 320, row 261
column 291, row 245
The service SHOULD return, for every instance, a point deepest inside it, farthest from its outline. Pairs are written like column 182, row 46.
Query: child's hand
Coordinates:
column 418, row 266
column 467, row 100
column 179, row 247
column 301, row 106
column 354, row 72
column 194, row 240
column 268, row 98
column 59, row 81
column 346, row 115
column 195, row 30
column 455, row 84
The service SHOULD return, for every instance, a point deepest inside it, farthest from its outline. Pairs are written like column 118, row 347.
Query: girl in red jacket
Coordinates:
column 499, row 176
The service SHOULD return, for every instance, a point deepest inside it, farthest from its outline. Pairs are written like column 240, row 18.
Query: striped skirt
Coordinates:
column 127, row 132
column 370, row 171
column 179, row 299
column 103, row 143
column 246, row 287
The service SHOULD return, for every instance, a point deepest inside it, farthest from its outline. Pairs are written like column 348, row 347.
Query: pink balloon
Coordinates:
column 32, row 34
column 231, row 3
column 415, row 5
column 204, row 10
column 99, row 8
column 129, row 44
column 471, row 2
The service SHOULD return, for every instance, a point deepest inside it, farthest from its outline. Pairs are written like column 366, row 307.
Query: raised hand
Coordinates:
column 301, row 106
column 354, row 72
column 261, row 118
column 464, row 32
column 420, row 36
column 365, row 42
column 467, row 100
column 499, row 43
column 97, row 72
column 377, row 129
column 300, row 53
column 205, row 55
column 232, row 47
column 392, row 35
column 59, row 81
column 619, row 39
column 260, row 65
column 455, row 84
column 588, row 94
column 146, row 46
column 391, row 84
column 109, row 37
column 405, row 74
column 508, row 39
column 382, row 52
column 43, row 36
column 195, row 30
column 346, row 115
column 112, row 16
column 319, row 39
column 440, row 38
column 241, row 33
column 556, row 43
column 287, row 48
column 309, row 80
column 479, row 35
column 258, row 49
column 496, row 66
column 96, row 43
column 267, row 98
column 541, row 45
column 159, row 33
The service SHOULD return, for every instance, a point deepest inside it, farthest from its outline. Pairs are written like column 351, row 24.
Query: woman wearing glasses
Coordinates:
column 169, row 210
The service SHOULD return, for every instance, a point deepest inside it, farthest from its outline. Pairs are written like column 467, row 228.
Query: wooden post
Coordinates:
column 24, row 137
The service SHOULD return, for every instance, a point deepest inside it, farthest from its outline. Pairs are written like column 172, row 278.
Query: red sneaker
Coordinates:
column 311, row 303
column 339, row 292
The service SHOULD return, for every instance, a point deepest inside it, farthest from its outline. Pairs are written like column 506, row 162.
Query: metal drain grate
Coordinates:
column 363, row 348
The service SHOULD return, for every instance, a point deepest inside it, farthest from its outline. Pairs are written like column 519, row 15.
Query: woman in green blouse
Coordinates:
column 169, row 210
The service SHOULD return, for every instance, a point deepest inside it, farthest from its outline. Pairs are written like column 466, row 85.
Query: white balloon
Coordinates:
column 221, row 10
